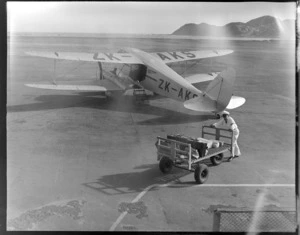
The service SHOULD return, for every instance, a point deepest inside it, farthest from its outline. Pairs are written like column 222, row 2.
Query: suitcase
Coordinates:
column 200, row 147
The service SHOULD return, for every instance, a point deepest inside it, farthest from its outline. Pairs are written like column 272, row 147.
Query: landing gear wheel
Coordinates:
column 217, row 160
column 165, row 165
column 201, row 173
column 218, row 116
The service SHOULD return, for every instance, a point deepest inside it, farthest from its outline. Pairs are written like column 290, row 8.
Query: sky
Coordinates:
column 135, row 17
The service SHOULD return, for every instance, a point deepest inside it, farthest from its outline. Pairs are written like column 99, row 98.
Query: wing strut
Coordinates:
column 101, row 71
column 186, row 67
column 211, row 65
column 54, row 72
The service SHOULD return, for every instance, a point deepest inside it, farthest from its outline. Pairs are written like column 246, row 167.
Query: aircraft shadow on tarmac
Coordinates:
column 164, row 115
column 133, row 182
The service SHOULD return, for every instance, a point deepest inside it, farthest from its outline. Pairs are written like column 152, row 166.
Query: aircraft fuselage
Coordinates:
column 163, row 80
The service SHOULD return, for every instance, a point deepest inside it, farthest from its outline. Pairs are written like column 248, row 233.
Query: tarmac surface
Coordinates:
column 77, row 161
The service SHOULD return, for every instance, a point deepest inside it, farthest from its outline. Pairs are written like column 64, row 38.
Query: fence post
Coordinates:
column 216, row 221
column 190, row 157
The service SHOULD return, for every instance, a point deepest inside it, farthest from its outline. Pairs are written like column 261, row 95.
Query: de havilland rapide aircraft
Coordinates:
column 150, row 72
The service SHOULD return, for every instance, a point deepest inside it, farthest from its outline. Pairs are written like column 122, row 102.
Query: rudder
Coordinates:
column 221, row 88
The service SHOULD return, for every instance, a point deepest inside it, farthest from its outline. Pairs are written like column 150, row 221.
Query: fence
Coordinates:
column 245, row 220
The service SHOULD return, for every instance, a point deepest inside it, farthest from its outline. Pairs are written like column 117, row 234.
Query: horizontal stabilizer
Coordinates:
column 201, row 104
column 201, row 77
column 68, row 87
column 235, row 102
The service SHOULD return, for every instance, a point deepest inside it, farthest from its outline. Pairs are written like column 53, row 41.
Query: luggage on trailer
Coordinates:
column 199, row 146
column 181, row 138
column 211, row 143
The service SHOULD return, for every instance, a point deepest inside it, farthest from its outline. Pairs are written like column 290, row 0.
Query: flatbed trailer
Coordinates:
column 180, row 154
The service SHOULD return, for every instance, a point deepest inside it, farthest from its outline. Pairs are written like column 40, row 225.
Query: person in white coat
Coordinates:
column 228, row 122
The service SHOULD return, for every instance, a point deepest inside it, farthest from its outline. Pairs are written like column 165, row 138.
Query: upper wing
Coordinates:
column 123, row 58
column 177, row 56
column 128, row 58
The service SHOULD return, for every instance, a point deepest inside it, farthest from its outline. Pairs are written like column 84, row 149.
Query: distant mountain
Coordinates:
column 265, row 26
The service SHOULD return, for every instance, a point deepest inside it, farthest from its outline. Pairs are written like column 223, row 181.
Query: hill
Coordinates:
column 265, row 26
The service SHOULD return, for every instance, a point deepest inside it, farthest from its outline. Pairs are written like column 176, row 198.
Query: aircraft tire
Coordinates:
column 201, row 173
column 217, row 160
column 165, row 164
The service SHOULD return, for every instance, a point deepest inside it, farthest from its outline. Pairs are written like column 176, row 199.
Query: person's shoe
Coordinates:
column 230, row 158
column 236, row 156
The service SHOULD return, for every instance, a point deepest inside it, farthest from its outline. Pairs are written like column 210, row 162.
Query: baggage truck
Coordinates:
column 182, row 152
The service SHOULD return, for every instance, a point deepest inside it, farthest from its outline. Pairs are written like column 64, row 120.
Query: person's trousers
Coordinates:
column 236, row 150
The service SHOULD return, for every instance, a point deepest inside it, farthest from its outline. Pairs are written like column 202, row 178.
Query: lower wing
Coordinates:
column 67, row 87
column 111, row 83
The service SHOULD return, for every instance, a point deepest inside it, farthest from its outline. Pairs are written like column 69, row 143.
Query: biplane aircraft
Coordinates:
column 151, row 73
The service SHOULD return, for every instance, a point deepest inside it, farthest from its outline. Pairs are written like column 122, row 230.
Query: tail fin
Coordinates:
column 221, row 88
column 217, row 94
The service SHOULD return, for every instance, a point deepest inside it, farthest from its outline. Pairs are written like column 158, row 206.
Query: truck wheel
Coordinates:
column 165, row 164
column 201, row 173
column 217, row 160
